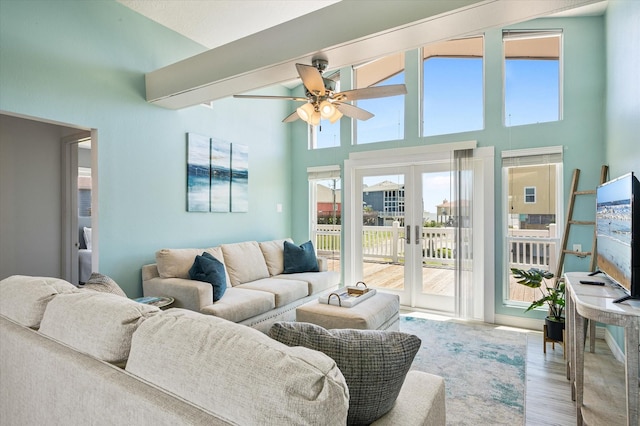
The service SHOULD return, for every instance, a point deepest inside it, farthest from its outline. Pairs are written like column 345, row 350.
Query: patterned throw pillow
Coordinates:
column 209, row 269
column 104, row 284
column 374, row 363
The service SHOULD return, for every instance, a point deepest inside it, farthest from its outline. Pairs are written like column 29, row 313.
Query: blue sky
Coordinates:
column 453, row 103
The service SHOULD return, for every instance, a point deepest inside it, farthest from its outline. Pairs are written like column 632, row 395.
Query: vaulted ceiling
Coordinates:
column 254, row 43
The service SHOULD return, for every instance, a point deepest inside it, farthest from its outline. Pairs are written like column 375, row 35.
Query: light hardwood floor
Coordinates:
column 548, row 392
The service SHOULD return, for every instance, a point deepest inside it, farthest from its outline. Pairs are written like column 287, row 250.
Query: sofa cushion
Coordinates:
column 374, row 363
column 317, row 281
column 237, row 372
column 299, row 258
column 285, row 291
column 98, row 324
column 273, row 252
column 209, row 269
column 104, row 284
column 239, row 304
column 24, row 298
column 175, row 263
column 245, row 262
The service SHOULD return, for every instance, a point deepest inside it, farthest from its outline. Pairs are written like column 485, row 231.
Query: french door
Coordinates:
column 419, row 224
column 405, row 243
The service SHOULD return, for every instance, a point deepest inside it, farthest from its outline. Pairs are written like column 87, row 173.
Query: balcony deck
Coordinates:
column 436, row 281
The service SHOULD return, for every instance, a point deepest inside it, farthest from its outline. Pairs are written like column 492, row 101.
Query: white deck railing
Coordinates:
column 527, row 248
column 533, row 248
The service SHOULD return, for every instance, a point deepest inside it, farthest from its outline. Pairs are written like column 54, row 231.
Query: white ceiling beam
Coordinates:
column 346, row 33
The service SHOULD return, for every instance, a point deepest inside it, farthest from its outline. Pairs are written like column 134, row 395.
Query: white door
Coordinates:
column 418, row 222
column 405, row 245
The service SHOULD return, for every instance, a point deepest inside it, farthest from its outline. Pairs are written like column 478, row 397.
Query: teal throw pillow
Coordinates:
column 299, row 258
column 209, row 269
column 374, row 363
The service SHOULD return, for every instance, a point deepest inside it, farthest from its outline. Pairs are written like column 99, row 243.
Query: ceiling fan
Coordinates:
column 322, row 101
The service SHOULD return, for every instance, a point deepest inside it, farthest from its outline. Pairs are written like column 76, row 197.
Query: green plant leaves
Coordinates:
column 553, row 297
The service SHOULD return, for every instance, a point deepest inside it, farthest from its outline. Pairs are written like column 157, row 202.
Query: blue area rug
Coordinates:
column 483, row 368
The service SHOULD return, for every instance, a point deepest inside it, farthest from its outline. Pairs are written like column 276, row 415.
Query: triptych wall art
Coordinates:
column 217, row 175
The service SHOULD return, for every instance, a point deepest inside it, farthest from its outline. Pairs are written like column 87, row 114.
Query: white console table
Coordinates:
column 595, row 303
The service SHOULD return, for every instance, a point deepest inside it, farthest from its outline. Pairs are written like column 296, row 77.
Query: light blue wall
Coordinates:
column 623, row 87
column 83, row 63
column 623, row 96
column 581, row 131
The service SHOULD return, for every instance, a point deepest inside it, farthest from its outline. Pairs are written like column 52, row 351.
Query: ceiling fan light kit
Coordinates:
column 326, row 109
column 306, row 111
column 322, row 102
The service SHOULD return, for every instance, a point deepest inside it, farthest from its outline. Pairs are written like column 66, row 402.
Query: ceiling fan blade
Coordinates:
column 291, row 117
column 371, row 92
column 289, row 98
column 311, row 78
column 353, row 111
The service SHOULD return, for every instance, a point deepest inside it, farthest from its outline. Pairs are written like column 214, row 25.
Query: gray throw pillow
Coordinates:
column 374, row 363
column 104, row 284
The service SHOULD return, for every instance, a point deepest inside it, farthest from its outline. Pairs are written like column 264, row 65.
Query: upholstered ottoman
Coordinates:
column 379, row 312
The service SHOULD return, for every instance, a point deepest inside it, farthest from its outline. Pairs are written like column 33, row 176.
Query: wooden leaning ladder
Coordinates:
column 604, row 172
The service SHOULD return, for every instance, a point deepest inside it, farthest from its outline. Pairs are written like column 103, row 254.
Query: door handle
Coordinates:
column 418, row 236
column 408, row 234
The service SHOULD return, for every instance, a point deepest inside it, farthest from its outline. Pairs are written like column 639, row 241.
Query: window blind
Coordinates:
column 324, row 172
column 531, row 157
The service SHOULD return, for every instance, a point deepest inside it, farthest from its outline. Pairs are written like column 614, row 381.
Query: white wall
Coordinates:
column 30, row 210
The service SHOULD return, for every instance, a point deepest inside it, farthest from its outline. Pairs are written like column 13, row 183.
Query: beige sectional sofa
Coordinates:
column 77, row 357
column 258, row 292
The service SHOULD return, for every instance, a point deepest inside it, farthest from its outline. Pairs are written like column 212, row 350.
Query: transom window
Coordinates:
column 388, row 121
column 452, row 94
column 531, row 76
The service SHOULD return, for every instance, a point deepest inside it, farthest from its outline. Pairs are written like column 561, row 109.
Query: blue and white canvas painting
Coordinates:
column 220, row 176
column 198, row 173
column 239, row 178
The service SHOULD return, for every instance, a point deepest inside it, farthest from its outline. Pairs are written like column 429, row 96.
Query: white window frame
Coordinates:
column 526, row 195
column 529, row 156
column 421, row 126
column 524, row 34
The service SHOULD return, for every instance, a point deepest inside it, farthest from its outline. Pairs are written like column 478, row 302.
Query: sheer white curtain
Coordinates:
column 463, row 196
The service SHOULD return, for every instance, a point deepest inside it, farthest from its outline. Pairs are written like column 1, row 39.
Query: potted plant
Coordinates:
column 552, row 296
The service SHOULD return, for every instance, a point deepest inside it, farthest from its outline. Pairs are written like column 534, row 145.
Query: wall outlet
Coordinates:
column 577, row 247
column 279, row 208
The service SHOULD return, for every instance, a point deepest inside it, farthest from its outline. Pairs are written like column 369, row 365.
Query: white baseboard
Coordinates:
column 617, row 352
column 520, row 322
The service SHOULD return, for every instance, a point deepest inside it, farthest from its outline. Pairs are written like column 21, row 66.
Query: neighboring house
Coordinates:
column 386, row 199
column 329, row 204
column 532, row 201
column 447, row 213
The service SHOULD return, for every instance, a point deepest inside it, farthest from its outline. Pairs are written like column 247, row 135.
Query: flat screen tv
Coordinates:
column 618, row 233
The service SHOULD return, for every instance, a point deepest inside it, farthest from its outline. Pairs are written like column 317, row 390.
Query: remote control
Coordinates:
column 591, row 282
